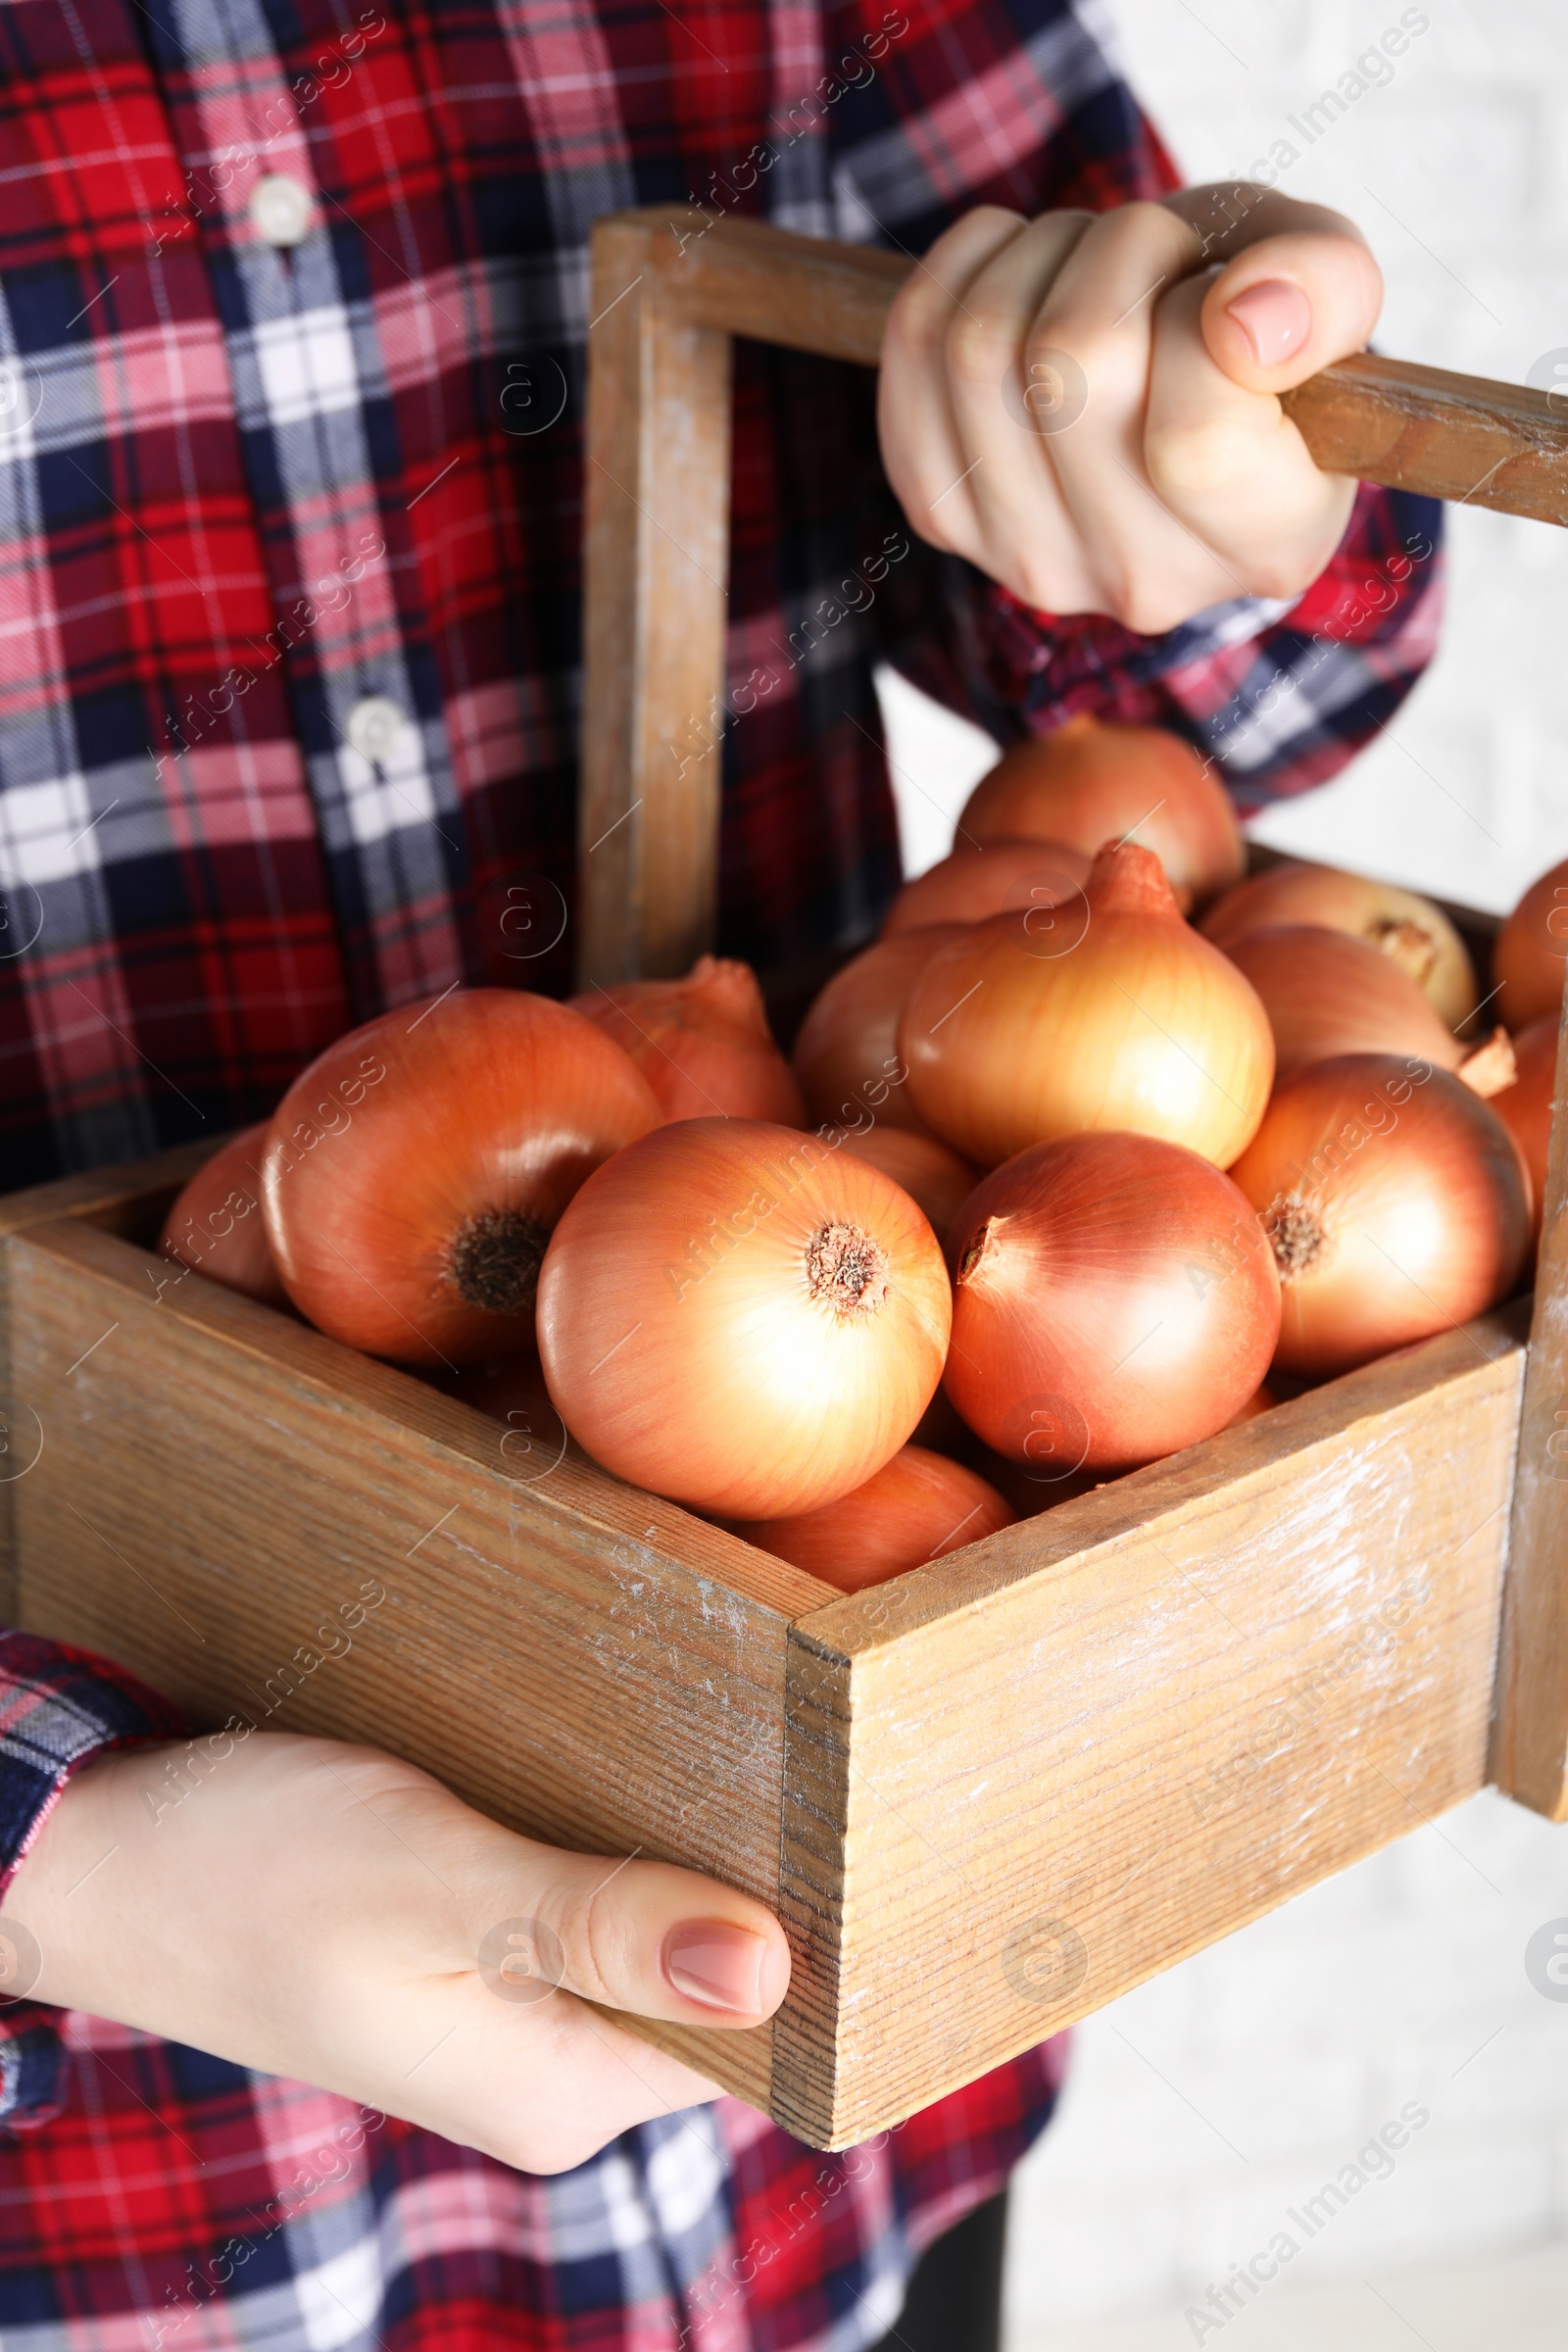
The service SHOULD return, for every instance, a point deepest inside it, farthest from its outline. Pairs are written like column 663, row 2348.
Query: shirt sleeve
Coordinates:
column 59, row 1708
column 1031, row 108
column 1277, row 696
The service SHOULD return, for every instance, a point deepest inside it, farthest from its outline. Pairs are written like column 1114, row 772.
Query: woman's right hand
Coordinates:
column 330, row 1914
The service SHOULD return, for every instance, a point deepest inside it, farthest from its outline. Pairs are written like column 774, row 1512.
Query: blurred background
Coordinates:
column 1206, row 2105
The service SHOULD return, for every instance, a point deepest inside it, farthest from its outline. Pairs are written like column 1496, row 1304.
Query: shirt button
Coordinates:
column 280, row 209
column 373, row 726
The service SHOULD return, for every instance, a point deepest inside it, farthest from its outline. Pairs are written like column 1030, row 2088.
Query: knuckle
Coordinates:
column 585, row 1939
column 980, row 349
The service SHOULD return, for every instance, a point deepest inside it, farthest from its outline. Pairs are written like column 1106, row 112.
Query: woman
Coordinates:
column 293, row 316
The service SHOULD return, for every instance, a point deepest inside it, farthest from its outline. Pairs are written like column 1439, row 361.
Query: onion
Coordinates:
column 703, row 1043
column 1326, row 993
column 1090, row 783
column 1527, row 956
column 846, row 1056
column 1116, row 1298
column 415, row 1171
column 935, row 1178
column 973, row 883
column 1014, row 1035
column 917, row 1506
column 742, row 1317
column 217, row 1227
column 1397, row 1204
column 1525, row 1107
column 1262, row 1400
column 513, row 1392
column 1410, row 931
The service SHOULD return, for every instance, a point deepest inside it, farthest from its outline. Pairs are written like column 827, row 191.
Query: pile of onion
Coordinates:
column 916, row 1507
column 1090, row 783
column 1525, row 1107
column 703, row 1043
column 1410, row 931
column 1528, row 954
column 1396, row 1201
column 1132, row 1020
column 415, row 1171
column 846, row 1056
column 742, row 1317
column 216, row 1228
column 992, row 880
column 1114, row 1298
column 935, row 1178
column 1326, row 993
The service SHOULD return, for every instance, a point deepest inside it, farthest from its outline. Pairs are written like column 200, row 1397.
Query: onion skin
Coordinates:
column 1529, row 952
column 973, row 883
column 1327, row 993
column 1092, row 782
column 216, row 1228
column 846, row 1056
column 916, row 1507
column 1525, row 1107
column 415, row 1171
column 1012, row 1039
column 1263, row 1401
column 1410, row 931
column 1397, row 1204
column 933, row 1175
column 742, row 1318
column 1115, row 1299
column 703, row 1043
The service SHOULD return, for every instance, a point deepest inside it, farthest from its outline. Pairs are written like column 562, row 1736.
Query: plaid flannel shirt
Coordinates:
column 289, row 682
column 250, row 491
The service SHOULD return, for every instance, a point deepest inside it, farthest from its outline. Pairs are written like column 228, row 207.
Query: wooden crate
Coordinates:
column 985, row 1798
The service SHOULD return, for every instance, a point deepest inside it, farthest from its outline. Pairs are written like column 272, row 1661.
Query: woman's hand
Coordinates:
column 1085, row 405
column 326, row 1913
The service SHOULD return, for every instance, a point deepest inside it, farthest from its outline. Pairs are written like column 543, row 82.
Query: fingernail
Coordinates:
column 712, row 1962
column 1276, row 318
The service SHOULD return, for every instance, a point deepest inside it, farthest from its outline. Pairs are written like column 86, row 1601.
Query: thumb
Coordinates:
column 643, row 1936
column 1298, row 288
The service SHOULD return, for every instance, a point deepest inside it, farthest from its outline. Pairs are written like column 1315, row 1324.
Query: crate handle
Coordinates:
column 670, row 289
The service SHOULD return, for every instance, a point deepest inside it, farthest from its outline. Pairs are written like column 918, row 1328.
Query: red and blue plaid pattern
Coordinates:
column 243, row 487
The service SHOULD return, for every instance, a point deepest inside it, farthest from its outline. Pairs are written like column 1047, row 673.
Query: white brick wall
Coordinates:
column 1205, row 2105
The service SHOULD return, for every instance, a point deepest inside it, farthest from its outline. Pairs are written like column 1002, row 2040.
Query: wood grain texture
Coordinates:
column 1021, row 1781
column 1448, row 436
column 657, row 494
column 1530, row 1739
column 581, row 1661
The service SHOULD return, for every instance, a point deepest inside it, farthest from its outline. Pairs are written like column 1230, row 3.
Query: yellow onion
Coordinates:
column 917, row 1506
column 1014, row 1034
column 414, row 1171
column 992, row 880
column 1527, row 956
column 216, row 1228
column 1396, row 1201
column 1409, row 930
column 741, row 1317
column 1525, row 1107
column 933, row 1175
column 1093, row 782
column 1326, row 993
column 703, row 1043
column 1114, row 1300
column 1263, row 1401
column 846, row 1056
